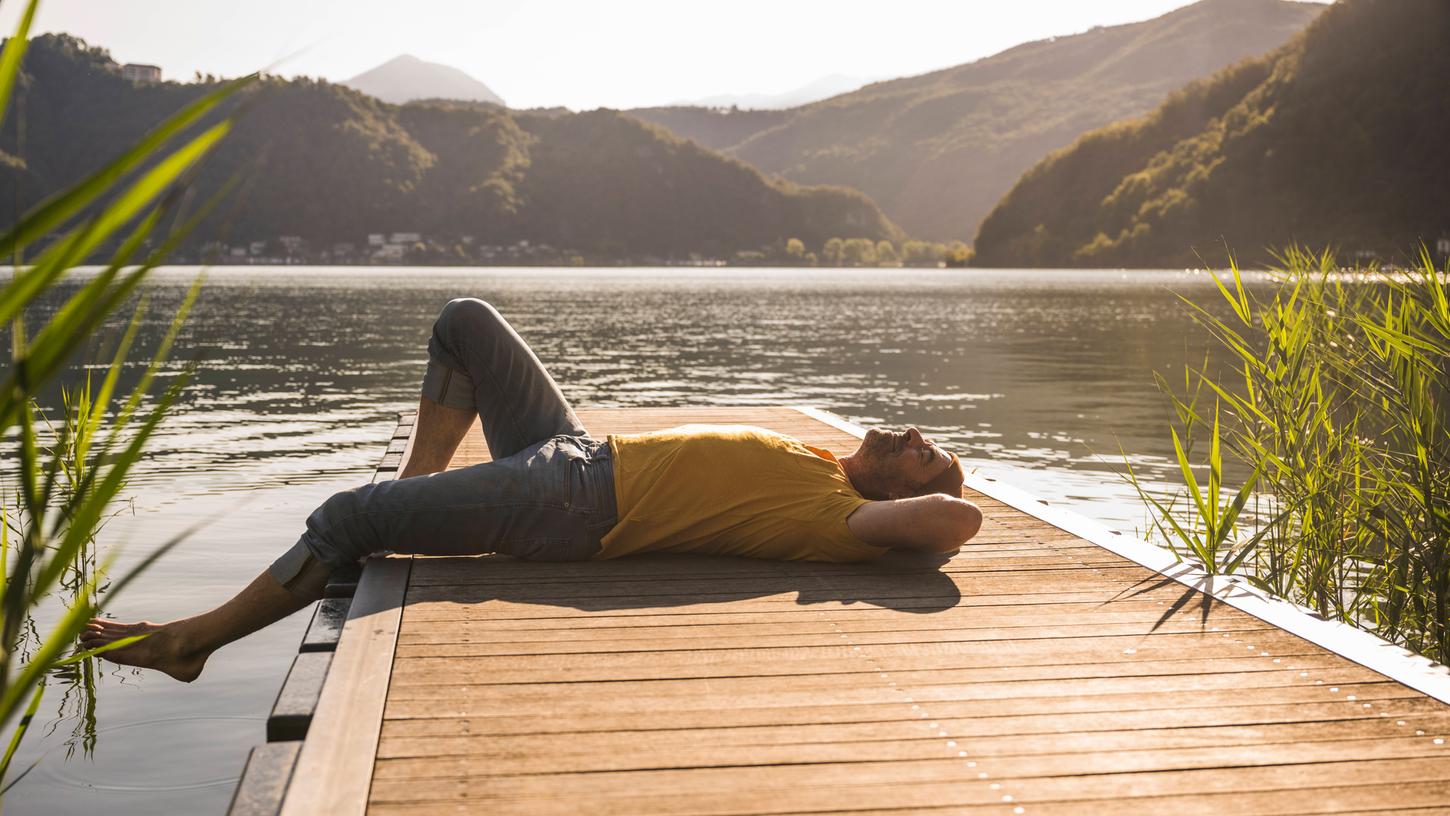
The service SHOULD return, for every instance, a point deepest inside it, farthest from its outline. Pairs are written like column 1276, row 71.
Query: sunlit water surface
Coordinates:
column 1039, row 378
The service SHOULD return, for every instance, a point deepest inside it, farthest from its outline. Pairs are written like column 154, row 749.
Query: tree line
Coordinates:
column 329, row 165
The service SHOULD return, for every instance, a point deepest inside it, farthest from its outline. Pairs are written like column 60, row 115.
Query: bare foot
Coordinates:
column 162, row 649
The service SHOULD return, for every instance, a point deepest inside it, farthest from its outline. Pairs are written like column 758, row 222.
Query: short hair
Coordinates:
column 948, row 481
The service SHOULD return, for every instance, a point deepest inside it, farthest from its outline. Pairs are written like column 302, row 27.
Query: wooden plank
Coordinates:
column 296, row 701
column 1317, row 800
column 920, row 672
column 644, row 593
column 939, row 701
column 900, row 583
column 812, row 632
column 264, row 779
column 906, row 672
column 1024, row 543
column 886, row 756
column 943, row 688
column 880, row 784
column 334, row 768
column 412, row 427
column 822, row 719
column 1004, row 652
column 405, row 738
column 625, row 714
column 489, row 576
column 884, row 620
column 667, row 605
column 326, row 626
column 656, row 630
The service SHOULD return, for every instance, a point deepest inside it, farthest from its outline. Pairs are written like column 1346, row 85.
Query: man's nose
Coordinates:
column 913, row 436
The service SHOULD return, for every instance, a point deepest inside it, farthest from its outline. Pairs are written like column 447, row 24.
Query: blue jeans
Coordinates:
column 548, row 494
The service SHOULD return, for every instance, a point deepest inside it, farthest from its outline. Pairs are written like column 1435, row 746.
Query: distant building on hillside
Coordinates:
column 136, row 72
column 405, row 238
column 389, row 252
column 1442, row 246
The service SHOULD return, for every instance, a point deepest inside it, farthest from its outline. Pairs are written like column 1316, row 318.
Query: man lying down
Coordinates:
column 555, row 493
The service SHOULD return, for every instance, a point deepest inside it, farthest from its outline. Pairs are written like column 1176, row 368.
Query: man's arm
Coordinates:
column 935, row 523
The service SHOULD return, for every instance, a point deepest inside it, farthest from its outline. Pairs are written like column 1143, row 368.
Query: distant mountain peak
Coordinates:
column 405, row 78
column 401, row 59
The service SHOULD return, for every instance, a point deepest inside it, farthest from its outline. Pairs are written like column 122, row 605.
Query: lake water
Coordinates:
column 1036, row 377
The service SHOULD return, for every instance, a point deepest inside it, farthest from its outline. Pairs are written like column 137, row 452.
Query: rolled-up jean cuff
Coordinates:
column 446, row 386
column 290, row 564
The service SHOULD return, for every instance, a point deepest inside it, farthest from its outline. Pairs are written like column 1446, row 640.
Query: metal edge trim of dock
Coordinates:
column 333, row 772
column 1362, row 647
column 335, row 767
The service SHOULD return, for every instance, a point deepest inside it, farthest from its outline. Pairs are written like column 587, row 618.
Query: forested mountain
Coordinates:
column 406, row 78
column 329, row 164
column 1338, row 139
column 937, row 151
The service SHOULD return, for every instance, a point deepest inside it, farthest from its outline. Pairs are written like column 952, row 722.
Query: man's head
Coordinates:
column 891, row 465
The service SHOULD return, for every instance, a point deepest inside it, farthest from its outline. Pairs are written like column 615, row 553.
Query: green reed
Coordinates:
column 63, row 481
column 1337, row 412
column 80, row 582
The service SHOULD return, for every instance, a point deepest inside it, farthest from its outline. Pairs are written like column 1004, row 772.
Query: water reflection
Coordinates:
column 1036, row 377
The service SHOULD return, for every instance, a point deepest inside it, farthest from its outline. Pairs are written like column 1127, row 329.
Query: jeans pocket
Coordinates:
column 574, row 464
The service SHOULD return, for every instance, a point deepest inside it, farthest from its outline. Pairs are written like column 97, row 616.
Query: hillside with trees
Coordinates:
column 937, row 151
column 1335, row 140
column 325, row 164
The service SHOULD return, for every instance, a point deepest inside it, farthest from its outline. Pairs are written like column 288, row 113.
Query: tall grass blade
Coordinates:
column 10, row 57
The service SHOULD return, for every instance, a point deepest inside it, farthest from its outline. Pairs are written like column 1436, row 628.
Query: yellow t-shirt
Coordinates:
column 731, row 490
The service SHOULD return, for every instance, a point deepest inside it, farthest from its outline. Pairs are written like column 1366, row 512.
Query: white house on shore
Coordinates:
column 389, row 252
column 136, row 72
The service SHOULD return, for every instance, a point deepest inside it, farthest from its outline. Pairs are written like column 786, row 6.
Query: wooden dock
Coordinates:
column 1042, row 670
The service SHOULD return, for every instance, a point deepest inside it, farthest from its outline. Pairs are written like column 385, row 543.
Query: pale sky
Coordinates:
column 580, row 54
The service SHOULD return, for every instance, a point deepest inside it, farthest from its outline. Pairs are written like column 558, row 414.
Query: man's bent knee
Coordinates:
column 467, row 316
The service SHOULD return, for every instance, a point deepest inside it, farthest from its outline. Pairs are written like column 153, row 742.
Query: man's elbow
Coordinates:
column 966, row 521
column 972, row 522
